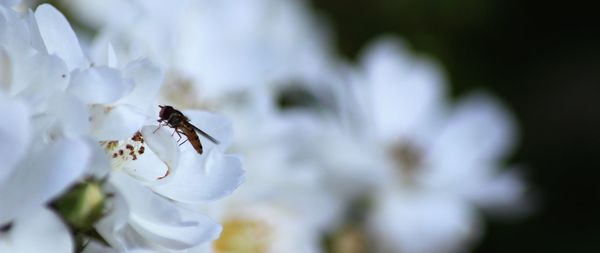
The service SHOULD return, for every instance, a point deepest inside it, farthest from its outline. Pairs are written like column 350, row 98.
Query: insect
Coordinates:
column 169, row 116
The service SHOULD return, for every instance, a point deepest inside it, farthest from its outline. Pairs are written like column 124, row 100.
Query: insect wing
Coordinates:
column 215, row 141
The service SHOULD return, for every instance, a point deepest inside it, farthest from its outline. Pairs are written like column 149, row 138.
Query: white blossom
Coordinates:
column 443, row 161
column 77, row 116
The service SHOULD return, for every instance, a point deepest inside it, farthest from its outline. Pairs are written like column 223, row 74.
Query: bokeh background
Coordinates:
column 543, row 60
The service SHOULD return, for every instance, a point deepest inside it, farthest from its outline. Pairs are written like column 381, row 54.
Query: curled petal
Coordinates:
column 200, row 179
column 160, row 222
column 163, row 146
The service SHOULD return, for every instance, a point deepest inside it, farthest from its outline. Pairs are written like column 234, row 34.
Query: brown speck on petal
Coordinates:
column 129, row 146
column 115, row 155
column 138, row 137
column 121, row 152
column 134, row 157
column 141, row 150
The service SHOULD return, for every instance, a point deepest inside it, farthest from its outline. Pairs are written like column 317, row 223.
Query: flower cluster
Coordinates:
column 341, row 157
column 84, row 163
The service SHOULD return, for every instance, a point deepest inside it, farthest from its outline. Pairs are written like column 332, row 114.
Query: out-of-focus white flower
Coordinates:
column 281, row 192
column 265, row 227
column 441, row 162
column 204, row 42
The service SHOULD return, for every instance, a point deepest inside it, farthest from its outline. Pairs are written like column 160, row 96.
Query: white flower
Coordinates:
column 204, row 42
column 263, row 227
column 40, row 161
column 442, row 162
column 75, row 103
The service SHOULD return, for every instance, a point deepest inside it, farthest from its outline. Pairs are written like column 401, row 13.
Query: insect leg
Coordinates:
column 178, row 134
column 183, row 142
column 160, row 124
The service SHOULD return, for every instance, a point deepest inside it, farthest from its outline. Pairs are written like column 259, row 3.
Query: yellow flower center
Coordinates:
column 243, row 236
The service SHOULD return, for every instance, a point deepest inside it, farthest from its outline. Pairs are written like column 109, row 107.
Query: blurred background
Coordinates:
column 543, row 61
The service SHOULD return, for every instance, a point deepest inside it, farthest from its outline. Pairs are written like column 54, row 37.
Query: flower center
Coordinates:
column 182, row 92
column 121, row 152
column 351, row 239
column 408, row 157
column 243, row 236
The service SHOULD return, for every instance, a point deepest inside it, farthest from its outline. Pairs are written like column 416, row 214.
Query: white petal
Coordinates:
column 69, row 114
column 405, row 90
column 99, row 166
column 59, row 37
column 42, row 176
column 200, row 179
column 37, row 41
column 39, row 75
column 502, row 193
column 117, row 122
column 147, row 78
column 217, row 126
column 423, row 223
column 99, row 85
column 113, row 226
column 103, row 54
column 38, row 230
column 9, row 2
column 165, row 149
column 15, row 134
column 95, row 247
column 159, row 221
column 479, row 130
column 178, row 236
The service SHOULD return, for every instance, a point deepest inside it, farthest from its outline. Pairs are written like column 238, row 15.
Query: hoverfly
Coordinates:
column 169, row 116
